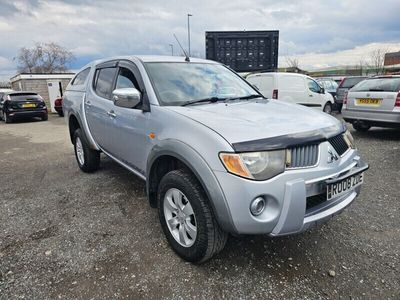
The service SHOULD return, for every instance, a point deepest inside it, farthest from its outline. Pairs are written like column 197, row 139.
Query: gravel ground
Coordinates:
column 66, row 234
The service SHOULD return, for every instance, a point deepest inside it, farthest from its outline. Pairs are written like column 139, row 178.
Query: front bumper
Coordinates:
column 288, row 196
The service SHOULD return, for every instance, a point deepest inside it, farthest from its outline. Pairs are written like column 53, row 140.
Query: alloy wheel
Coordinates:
column 180, row 218
column 79, row 151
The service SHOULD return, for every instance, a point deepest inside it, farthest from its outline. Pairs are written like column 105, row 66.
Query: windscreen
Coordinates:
column 348, row 83
column 180, row 83
column 378, row 85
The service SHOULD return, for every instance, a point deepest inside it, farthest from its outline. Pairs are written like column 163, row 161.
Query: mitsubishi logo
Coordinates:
column 332, row 156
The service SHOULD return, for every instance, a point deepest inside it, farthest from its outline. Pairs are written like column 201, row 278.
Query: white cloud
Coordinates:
column 318, row 32
column 353, row 56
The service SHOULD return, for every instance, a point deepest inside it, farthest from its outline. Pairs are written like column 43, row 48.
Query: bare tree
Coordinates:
column 362, row 66
column 292, row 62
column 377, row 59
column 44, row 58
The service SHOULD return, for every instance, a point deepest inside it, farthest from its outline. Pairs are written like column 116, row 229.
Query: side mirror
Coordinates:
column 126, row 97
column 322, row 91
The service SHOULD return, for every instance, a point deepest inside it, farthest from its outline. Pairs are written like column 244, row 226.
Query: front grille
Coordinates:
column 338, row 142
column 302, row 156
column 315, row 200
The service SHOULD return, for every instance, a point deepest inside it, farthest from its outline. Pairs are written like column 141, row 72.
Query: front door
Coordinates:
column 132, row 124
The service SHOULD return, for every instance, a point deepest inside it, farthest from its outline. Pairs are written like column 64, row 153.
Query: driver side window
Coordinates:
column 313, row 86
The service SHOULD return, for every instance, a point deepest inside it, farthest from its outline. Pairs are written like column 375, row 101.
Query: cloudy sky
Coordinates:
column 319, row 33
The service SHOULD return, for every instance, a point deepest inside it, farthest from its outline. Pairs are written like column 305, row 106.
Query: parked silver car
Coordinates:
column 216, row 156
column 373, row 102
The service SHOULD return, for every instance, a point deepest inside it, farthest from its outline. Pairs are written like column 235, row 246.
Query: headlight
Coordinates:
column 255, row 165
column 349, row 139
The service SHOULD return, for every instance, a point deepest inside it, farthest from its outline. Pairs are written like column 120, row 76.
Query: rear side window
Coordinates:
column 104, row 79
column 348, row 83
column 81, row 77
column 378, row 85
column 291, row 83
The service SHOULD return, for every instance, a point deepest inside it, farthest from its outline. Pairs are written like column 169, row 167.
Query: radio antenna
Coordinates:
column 184, row 52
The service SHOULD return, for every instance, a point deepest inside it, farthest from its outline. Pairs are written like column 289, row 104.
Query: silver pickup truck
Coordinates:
column 217, row 157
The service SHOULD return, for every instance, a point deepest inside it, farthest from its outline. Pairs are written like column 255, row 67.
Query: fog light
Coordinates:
column 257, row 206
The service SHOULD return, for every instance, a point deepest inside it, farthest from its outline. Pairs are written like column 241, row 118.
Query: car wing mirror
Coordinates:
column 322, row 90
column 126, row 97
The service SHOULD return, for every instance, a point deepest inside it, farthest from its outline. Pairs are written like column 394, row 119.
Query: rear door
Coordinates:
column 99, row 107
column 374, row 94
column 291, row 88
column 267, row 85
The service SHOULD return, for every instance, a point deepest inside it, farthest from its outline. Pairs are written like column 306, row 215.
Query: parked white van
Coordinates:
column 293, row 88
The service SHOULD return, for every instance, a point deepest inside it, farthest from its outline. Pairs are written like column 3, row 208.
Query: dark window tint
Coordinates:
column 25, row 97
column 126, row 79
column 348, row 83
column 378, row 85
column 103, row 81
column 81, row 77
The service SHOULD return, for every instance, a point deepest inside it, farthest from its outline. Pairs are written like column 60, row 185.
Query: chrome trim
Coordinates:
column 307, row 167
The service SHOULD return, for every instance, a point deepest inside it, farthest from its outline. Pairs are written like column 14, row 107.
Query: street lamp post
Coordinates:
column 172, row 49
column 188, row 28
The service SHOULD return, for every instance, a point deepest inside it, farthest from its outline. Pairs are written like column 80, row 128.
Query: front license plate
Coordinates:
column 28, row 105
column 341, row 187
column 369, row 101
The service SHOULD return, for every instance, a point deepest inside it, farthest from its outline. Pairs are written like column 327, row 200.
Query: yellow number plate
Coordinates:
column 28, row 105
column 369, row 101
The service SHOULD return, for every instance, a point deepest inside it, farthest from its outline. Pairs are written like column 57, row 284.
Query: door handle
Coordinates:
column 88, row 103
column 310, row 95
column 112, row 114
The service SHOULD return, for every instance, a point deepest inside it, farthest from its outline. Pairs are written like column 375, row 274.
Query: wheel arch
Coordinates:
column 174, row 154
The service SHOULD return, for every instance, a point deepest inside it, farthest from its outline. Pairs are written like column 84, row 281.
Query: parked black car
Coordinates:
column 18, row 105
column 346, row 84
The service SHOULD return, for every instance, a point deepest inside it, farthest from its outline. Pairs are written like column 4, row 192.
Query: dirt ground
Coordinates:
column 65, row 234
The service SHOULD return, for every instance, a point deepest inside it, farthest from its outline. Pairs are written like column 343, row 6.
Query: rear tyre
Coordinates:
column 88, row 159
column 361, row 126
column 187, row 219
column 328, row 108
column 45, row 118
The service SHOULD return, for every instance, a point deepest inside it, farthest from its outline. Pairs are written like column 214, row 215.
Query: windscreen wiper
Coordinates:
column 209, row 99
column 252, row 96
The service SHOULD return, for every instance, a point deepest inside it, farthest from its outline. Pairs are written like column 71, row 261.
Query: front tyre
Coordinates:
column 328, row 108
column 88, row 159
column 6, row 118
column 45, row 118
column 187, row 219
